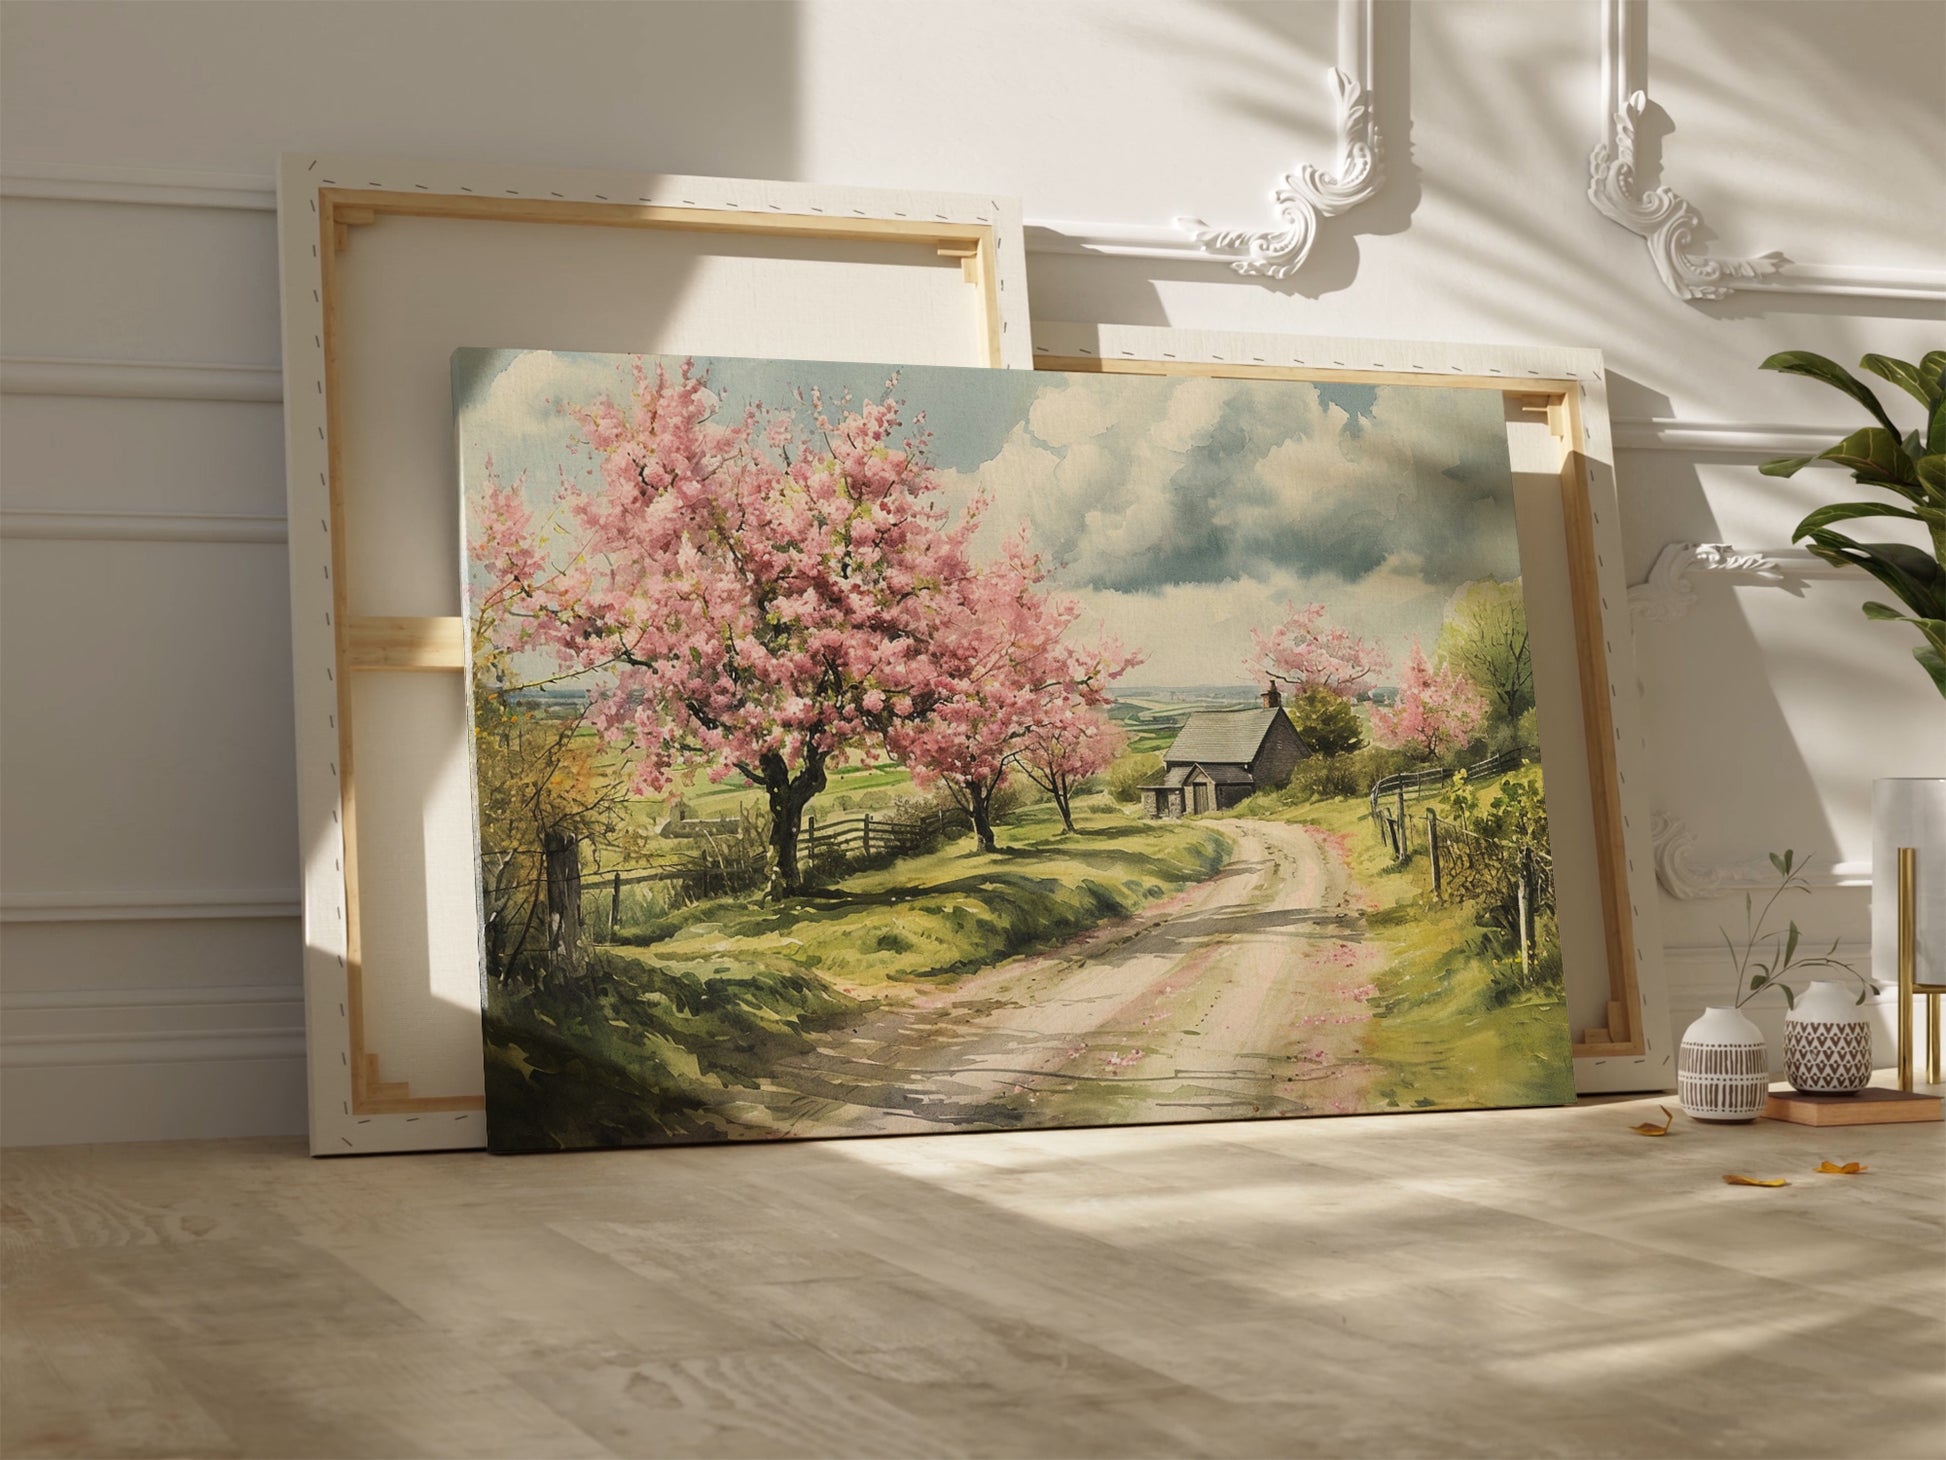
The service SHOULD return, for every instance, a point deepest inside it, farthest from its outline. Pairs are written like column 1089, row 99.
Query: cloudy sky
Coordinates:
column 1183, row 512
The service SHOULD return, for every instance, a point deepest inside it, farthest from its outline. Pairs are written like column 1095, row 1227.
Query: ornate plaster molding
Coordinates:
column 1684, row 875
column 1308, row 195
column 1665, row 220
column 1666, row 595
column 1668, row 223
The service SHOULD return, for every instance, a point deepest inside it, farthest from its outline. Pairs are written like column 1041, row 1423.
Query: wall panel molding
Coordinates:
column 1668, row 223
column 80, row 182
column 119, row 1026
column 1729, row 438
column 148, row 906
column 22, row 522
column 140, row 379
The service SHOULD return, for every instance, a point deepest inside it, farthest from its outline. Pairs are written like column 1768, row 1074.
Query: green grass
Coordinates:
column 955, row 910
column 647, row 1043
column 627, row 1052
column 1446, row 1033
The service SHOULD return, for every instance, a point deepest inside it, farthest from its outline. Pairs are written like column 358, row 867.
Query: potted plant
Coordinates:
column 1910, row 810
column 1723, row 1067
column 1911, row 466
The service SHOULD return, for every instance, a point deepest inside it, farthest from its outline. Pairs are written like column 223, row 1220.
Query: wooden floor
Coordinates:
column 1502, row 1284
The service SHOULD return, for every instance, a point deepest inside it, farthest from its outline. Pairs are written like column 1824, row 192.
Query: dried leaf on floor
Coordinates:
column 1734, row 1180
column 1650, row 1128
column 1850, row 1168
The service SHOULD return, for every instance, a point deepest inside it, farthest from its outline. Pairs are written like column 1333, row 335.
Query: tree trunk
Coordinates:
column 561, row 876
column 1063, row 795
column 788, row 795
column 979, row 797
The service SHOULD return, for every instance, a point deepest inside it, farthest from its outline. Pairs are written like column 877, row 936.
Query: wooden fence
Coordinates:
column 1452, row 850
column 1417, row 785
column 833, row 848
column 732, row 855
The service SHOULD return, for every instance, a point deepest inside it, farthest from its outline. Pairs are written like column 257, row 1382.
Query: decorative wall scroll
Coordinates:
column 1302, row 199
column 1669, row 224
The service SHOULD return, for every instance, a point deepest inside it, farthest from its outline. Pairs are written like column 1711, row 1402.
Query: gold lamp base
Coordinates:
column 1908, row 966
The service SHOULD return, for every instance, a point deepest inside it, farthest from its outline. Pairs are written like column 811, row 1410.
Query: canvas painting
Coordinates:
column 872, row 750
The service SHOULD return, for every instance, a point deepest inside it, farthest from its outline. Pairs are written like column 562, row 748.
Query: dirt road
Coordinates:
column 1242, row 995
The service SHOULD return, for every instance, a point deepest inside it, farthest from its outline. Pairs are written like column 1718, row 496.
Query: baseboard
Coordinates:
column 135, row 1064
column 73, row 1104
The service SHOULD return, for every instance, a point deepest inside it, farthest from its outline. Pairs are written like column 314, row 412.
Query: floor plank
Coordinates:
column 1498, row 1284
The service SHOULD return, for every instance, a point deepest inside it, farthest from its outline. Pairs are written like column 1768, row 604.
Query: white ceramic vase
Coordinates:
column 1723, row 1067
column 1828, row 1041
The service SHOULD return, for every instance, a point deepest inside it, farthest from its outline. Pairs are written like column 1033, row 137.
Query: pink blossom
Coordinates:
column 1303, row 654
column 1437, row 709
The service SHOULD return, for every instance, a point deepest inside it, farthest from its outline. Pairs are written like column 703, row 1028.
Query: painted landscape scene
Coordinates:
column 872, row 750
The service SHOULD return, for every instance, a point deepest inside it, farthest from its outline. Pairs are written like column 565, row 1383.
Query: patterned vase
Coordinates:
column 1723, row 1067
column 1827, row 1042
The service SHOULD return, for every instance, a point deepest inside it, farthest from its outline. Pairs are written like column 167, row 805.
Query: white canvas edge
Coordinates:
column 334, row 1129
column 1653, row 1070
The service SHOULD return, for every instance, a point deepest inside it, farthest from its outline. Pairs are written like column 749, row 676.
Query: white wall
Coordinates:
column 149, row 857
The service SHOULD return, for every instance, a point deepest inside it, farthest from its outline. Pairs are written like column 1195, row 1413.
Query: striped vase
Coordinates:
column 1723, row 1067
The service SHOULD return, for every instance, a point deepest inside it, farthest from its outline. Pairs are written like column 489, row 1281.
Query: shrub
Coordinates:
column 1327, row 722
column 1130, row 773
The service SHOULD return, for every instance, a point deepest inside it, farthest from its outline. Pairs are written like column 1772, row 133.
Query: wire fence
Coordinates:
column 1515, row 881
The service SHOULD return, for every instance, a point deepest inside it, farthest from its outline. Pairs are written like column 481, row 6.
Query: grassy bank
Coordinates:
column 650, row 1039
column 1446, row 1031
column 954, row 910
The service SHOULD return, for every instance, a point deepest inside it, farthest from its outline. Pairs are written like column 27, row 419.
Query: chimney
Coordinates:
column 1271, row 699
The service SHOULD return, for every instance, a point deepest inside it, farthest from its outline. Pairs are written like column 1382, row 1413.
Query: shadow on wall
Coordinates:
column 689, row 88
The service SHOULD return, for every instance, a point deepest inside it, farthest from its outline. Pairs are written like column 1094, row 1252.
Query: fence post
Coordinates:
column 867, row 843
column 1432, row 845
column 1526, row 914
column 615, row 909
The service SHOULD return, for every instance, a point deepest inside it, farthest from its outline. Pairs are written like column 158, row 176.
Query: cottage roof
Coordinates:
column 1214, row 737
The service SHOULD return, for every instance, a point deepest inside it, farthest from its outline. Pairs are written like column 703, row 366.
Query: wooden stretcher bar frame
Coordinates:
column 1631, row 1050
column 322, row 200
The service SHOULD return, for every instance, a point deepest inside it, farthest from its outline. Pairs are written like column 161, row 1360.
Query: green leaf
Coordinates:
column 1777, row 862
column 1930, row 471
column 1933, row 365
column 1873, row 455
column 1790, row 999
column 1936, row 428
column 1786, row 466
column 1757, row 980
column 1790, row 945
column 1912, row 379
column 1851, row 512
column 1789, row 856
column 1912, row 573
column 1817, row 367
column 1934, row 663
